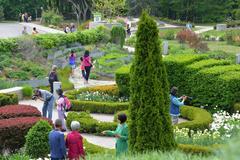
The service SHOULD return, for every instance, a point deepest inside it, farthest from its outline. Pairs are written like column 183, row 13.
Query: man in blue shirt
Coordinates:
column 175, row 104
column 57, row 143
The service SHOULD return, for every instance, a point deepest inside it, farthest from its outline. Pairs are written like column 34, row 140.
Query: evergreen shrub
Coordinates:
column 6, row 99
column 37, row 145
column 149, row 93
column 27, row 91
column 118, row 35
column 122, row 79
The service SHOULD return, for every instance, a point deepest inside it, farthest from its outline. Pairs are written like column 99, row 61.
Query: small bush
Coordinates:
column 88, row 124
column 169, row 35
column 14, row 111
column 194, row 149
column 123, row 80
column 37, row 145
column 63, row 75
column 6, row 99
column 8, row 45
column 118, row 35
column 13, row 131
column 27, row 91
column 192, row 39
column 50, row 17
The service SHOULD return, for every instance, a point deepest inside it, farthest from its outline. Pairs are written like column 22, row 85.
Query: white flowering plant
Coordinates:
column 100, row 97
column 223, row 127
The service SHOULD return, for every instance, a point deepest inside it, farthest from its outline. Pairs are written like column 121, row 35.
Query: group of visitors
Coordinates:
column 85, row 65
column 58, row 144
column 74, row 140
column 25, row 32
column 70, row 29
column 24, row 17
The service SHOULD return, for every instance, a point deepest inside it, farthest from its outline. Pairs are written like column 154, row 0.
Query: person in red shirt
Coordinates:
column 74, row 143
column 87, row 62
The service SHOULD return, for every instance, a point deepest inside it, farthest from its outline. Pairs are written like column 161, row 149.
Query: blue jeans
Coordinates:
column 57, row 158
column 48, row 107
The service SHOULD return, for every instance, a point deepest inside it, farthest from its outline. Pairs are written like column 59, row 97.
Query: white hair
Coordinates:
column 75, row 125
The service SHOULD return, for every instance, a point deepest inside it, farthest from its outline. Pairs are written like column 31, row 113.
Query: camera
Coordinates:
column 34, row 97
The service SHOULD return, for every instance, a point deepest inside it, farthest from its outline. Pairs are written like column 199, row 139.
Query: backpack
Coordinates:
column 67, row 105
column 51, row 77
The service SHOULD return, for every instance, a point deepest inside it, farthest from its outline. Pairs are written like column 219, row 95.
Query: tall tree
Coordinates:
column 150, row 124
column 82, row 7
column 111, row 8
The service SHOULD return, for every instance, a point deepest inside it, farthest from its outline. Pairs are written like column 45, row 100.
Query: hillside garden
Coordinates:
column 206, row 73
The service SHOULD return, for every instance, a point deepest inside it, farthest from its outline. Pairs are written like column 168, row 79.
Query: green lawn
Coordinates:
column 223, row 46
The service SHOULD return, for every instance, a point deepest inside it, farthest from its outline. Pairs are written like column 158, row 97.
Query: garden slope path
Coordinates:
column 78, row 81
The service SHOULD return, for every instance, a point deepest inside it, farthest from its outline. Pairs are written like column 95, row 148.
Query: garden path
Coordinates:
column 107, row 142
column 203, row 29
column 78, row 81
column 14, row 29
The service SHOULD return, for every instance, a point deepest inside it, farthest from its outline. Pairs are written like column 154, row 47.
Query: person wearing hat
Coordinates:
column 53, row 77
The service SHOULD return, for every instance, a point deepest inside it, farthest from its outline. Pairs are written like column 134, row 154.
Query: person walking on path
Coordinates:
column 48, row 100
column 87, row 62
column 74, row 142
column 175, row 104
column 82, row 68
column 121, row 133
column 53, row 77
column 56, row 142
column 60, row 108
column 72, row 61
column 24, row 32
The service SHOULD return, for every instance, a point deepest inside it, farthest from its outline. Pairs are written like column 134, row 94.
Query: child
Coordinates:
column 60, row 108
column 82, row 68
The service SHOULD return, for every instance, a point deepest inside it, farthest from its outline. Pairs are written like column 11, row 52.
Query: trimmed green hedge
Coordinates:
column 193, row 114
column 91, row 149
column 210, row 82
column 7, row 99
column 195, row 149
column 49, row 41
column 88, row 124
column 199, row 119
column 98, row 107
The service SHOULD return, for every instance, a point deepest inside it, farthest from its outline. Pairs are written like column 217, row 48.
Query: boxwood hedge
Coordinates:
column 210, row 82
column 193, row 114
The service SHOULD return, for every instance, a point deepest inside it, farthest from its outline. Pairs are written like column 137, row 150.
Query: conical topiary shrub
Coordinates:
column 37, row 145
column 118, row 35
column 150, row 123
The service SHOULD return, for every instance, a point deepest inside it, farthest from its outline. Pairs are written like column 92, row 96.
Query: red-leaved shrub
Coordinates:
column 14, row 130
column 13, row 111
column 192, row 39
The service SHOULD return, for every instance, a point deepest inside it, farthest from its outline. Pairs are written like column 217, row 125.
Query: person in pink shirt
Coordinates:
column 87, row 62
column 82, row 68
column 74, row 143
column 60, row 108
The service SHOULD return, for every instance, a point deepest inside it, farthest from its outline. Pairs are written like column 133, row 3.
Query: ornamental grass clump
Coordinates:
column 150, row 124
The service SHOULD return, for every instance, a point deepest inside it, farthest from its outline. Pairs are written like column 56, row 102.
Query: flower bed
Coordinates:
column 13, row 111
column 6, row 99
column 95, row 106
column 13, row 131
